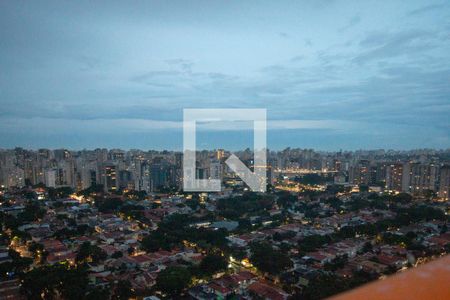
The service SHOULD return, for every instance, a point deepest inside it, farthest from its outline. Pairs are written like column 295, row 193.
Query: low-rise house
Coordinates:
column 10, row 290
column 392, row 261
column 439, row 241
column 144, row 280
column 109, row 249
column 266, row 291
column 55, row 247
column 142, row 261
column 201, row 293
column 321, row 257
column 220, row 291
column 4, row 255
column 55, row 257
column 100, row 279
column 194, row 258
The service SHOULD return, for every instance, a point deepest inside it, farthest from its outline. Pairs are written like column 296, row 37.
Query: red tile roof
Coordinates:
column 389, row 260
column 243, row 275
column 267, row 292
column 139, row 259
column 218, row 288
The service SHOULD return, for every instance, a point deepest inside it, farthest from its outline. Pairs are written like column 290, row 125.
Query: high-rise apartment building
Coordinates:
column 444, row 183
column 110, row 178
column 419, row 178
column 359, row 173
column 394, row 177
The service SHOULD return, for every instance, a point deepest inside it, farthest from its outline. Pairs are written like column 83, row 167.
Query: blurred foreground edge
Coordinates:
column 429, row 281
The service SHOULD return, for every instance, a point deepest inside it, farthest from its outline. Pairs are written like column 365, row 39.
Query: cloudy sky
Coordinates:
column 331, row 74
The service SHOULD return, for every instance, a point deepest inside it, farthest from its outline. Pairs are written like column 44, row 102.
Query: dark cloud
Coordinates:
column 427, row 9
column 379, row 45
column 89, row 66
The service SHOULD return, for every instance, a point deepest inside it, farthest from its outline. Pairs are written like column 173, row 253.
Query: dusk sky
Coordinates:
column 331, row 74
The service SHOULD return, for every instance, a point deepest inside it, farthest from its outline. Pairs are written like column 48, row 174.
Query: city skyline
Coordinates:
column 415, row 172
column 331, row 74
column 385, row 150
column 200, row 150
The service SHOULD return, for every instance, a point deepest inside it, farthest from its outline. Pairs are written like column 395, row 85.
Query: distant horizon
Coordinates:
column 310, row 137
column 225, row 149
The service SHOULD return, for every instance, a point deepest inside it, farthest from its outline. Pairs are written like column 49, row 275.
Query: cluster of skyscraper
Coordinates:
column 114, row 169
column 411, row 177
column 416, row 172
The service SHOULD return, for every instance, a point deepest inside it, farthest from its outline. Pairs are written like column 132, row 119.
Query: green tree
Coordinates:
column 108, row 205
column 286, row 199
column 117, row 254
column 323, row 286
column 37, row 249
column 98, row 294
column 31, row 213
column 213, row 263
column 90, row 253
column 173, row 280
column 266, row 259
column 312, row 242
column 48, row 281
column 123, row 290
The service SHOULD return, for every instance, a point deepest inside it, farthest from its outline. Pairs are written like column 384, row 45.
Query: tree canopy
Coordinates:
column 173, row 280
column 90, row 253
column 48, row 281
column 266, row 259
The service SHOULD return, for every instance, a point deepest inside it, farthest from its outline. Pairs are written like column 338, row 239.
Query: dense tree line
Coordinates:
column 248, row 204
column 49, row 281
column 176, row 229
column 267, row 259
